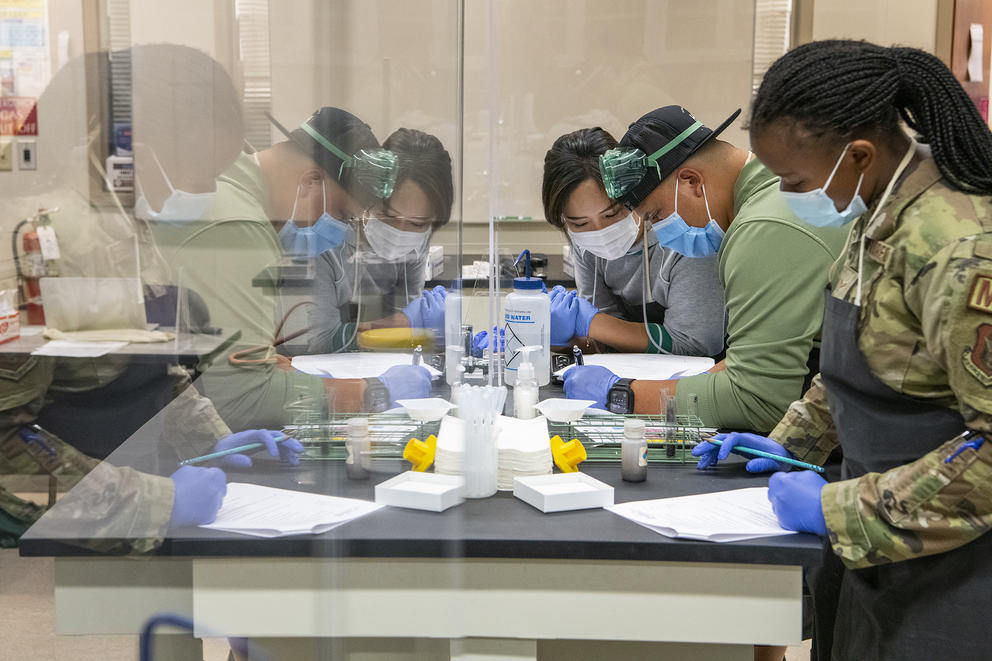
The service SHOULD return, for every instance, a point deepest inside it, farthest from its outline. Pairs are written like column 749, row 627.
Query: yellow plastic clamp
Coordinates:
column 421, row 453
column 569, row 455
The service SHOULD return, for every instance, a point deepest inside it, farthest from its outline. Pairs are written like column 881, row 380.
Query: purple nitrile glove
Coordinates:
column 433, row 311
column 285, row 450
column 589, row 382
column 199, row 493
column 406, row 382
column 563, row 312
column 710, row 453
column 482, row 341
column 583, row 316
column 427, row 310
column 795, row 499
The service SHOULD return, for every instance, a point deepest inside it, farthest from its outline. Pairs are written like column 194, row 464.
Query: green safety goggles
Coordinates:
column 375, row 169
column 623, row 169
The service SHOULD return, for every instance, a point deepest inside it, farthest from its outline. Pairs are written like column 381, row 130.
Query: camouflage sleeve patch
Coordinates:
column 980, row 295
column 977, row 359
column 929, row 506
column 807, row 430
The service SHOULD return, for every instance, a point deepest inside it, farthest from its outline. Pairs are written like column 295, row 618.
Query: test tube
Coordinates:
column 671, row 423
column 692, row 408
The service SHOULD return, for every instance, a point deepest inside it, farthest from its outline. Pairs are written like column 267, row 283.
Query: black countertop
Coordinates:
column 497, row 527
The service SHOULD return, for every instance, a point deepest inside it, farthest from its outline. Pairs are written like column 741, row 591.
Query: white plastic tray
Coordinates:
column 421, row 491
column 562, row 492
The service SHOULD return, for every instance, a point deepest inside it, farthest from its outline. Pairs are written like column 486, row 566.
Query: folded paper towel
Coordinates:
column 523, row 446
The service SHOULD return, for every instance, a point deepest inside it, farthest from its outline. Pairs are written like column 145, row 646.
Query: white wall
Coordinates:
column 885, row 22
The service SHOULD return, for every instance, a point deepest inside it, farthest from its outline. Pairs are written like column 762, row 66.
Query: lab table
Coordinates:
column 489, row 579
column 189, row 349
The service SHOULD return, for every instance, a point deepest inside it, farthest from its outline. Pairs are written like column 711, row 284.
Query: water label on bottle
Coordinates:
column 642, row 459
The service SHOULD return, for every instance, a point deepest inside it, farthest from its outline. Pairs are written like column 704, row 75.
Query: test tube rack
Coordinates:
column 602, row 434
column 323, row 437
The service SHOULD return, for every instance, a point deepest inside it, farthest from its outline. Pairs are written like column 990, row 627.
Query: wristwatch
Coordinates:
column 620, row 398
column 377, row 397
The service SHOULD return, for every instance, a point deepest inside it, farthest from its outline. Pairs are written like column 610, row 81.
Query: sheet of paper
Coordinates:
column 251, row 509
column 77, row 349
column 723, row 516
column 647, row 365
column 358, row 365
column 976, row 52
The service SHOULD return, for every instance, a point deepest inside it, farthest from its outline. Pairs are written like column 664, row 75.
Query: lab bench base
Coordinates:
column 457, row 608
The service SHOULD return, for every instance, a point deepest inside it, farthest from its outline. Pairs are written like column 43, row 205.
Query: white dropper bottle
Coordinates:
column 525, row 390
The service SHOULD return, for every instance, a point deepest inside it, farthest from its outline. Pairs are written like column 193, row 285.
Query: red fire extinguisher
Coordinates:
column 34, row 267
column 34, row 270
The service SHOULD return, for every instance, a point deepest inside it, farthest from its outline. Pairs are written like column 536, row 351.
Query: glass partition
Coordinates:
column 244, row 231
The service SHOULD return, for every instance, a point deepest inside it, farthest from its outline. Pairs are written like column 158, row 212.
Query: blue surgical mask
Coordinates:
column 816, row 208
column 675, row 234
column 325, row 234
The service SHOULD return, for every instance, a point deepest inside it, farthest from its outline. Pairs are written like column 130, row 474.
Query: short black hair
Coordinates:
column 840, row 88
column 573, row 158
column 423, row 160
column 347, row 133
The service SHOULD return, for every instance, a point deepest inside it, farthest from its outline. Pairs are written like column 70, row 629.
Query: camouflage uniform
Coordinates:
column 925, row 330
column 117, row 509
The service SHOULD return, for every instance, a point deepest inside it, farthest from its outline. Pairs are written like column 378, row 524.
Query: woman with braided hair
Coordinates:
column 905, row 387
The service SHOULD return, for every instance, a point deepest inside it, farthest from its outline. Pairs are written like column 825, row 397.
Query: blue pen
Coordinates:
column 768, row 455
column 971, row 440
column 223, row 453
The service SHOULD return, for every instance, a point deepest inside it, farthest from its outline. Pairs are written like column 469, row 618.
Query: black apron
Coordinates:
column 934, row 607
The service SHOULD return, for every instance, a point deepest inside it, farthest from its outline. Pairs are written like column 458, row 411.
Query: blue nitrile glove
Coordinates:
column 286, row 450
column 481, row 342
column 563, row 311
column 427, row 311
column 795, row 499
column 709, row 453
column 583, row 316
column 589, row 382
column 406, row 382
column 199, row 494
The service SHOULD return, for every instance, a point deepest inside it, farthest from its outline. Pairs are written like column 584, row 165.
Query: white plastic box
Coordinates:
column 421, row 491
column 562, row 492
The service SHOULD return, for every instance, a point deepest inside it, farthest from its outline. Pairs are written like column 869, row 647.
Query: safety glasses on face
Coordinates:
column 623, row 169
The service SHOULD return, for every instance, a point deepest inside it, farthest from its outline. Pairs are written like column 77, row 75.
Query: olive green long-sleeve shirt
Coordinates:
column 773, row 269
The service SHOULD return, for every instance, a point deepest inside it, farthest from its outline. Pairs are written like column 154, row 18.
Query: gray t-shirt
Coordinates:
column 383, row 288
column 685, row 294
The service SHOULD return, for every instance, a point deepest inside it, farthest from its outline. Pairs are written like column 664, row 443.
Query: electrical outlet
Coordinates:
column 27, row 155
column 6, row 155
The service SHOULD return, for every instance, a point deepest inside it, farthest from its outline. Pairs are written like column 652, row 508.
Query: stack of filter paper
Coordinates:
column 524, row 448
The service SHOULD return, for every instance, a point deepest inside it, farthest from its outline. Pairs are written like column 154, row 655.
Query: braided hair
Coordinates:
column 842, row 88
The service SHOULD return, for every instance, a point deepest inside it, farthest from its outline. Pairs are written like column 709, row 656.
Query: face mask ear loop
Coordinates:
column 292, row 214
column 878, row 208
column 323, row 195
column 676, row 212
column 355, row 297
column 836, row 165
column 709, row 216
column 645, row 290
column 857, row 189
column 595, row 277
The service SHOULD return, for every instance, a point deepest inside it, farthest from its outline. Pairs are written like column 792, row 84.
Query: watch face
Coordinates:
column 618, row 401
column 377, row 400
